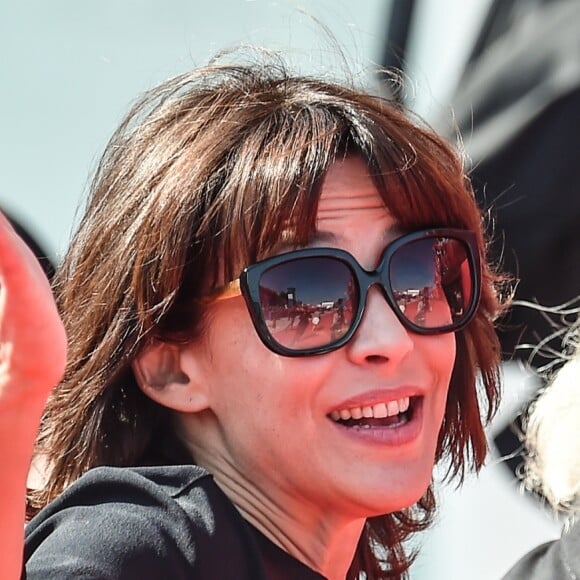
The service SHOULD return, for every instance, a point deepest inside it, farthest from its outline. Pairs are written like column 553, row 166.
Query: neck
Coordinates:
column 310, row 529
column 324, row 542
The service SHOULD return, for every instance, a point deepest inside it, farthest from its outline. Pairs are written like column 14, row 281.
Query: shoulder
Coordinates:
column 184, row 492
column 557, row 560
column 168, row 485
column 138, row 522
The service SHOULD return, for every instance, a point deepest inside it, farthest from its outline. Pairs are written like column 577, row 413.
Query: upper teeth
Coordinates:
column 378, row 411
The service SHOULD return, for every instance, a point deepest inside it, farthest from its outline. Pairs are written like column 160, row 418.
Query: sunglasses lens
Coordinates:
column 308, row 302
column 432, row 281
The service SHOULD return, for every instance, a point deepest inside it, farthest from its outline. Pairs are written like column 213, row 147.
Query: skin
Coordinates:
column 32, row 359
column 260, row 422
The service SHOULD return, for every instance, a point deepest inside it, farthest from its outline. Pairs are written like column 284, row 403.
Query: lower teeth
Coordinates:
column 393, row 421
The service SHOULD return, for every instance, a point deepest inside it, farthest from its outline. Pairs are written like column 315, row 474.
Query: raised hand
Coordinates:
column 32, row 361
column 32, row 338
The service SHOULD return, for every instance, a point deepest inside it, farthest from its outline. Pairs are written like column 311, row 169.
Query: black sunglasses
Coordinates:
column 311, row 301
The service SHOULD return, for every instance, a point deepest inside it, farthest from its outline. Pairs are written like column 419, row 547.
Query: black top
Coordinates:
column 559, row 560
column 148, row 523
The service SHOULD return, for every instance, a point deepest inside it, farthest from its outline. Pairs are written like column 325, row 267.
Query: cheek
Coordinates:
column 444, row 357
column 442, row 350
column 439, row 354
column 243, row 371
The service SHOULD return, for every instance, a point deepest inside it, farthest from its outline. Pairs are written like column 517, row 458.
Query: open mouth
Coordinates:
column 389, row 414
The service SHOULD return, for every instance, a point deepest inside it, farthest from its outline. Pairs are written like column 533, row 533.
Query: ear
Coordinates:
column 160, row 375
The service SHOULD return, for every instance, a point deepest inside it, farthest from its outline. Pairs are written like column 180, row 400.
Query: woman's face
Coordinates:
column 271, row 428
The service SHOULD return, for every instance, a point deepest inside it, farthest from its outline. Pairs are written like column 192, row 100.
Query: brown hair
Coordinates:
column 202, row 177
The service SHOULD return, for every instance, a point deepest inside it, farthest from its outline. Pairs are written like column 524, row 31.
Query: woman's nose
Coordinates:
column 380, row 337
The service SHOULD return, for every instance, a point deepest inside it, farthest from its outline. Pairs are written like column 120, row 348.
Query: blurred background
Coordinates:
column 503, row 74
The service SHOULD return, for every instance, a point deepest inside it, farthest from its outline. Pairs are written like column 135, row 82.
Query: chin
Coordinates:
column 364, row 502
column 394, row 496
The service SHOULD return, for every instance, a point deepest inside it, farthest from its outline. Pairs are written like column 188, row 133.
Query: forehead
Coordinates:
column 349, row 200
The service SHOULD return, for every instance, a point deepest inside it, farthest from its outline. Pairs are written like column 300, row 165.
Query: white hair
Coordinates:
column 553, row 432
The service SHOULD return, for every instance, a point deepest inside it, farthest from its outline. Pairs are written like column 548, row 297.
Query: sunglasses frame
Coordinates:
column 249, row 284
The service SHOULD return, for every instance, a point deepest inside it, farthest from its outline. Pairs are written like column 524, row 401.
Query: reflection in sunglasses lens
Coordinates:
column 308, row 302
column 431, row 281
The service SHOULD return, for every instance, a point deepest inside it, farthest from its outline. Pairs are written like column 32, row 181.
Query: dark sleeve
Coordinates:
column 559, row 560
column 110, row 528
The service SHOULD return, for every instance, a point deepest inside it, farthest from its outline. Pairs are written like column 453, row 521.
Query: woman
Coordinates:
column 277, row 304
